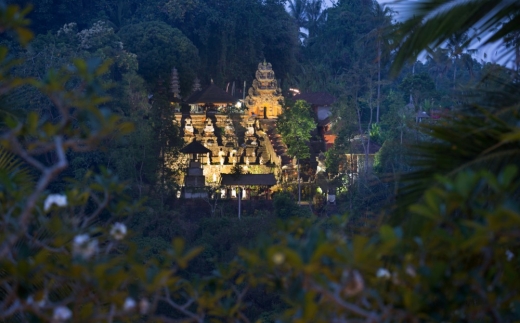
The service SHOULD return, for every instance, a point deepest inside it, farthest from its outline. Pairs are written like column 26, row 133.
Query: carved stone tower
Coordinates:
column 196, row 85
column 265, row 97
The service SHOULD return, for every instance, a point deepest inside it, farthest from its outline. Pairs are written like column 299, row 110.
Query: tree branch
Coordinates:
column 371, row 317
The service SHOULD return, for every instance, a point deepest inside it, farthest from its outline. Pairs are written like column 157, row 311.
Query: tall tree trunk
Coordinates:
column 299, row 184
column 454, row 72
column 378, row 78
column 367, row 148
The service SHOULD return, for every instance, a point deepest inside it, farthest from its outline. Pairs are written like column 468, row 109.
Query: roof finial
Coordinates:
column 265, row 63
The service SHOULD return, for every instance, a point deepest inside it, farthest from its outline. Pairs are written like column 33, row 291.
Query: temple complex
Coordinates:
column 265, row 97
column 219, row 136
column 230, row 141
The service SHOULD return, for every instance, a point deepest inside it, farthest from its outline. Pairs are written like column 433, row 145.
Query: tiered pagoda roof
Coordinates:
column 211, row 95
column 265, row 96
column 195, row 147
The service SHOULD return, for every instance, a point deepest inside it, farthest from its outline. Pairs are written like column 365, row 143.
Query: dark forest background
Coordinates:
column 456, row 166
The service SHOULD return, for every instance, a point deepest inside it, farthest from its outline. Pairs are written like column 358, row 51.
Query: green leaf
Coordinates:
column 387, row 233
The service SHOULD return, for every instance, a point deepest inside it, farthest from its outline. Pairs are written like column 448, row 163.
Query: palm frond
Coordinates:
column 478, row 137
column 14, row 172
column 433, row 22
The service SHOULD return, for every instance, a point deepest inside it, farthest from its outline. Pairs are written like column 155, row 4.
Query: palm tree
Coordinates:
column 439, row 61
column 473, row 140
column 469, row 63
column 435, row 21
column 484, row 134
column 383, row 19
column 297, row 10
column 315, row 17
column 457, row 47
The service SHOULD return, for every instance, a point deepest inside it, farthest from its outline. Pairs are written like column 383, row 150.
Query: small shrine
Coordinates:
column 209, row 129
column 265, row 97
column 194, row 180
column 229, row 138
column 250, row 127
column 188, row 128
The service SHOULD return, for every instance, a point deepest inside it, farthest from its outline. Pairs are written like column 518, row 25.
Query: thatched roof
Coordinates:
column 316, row 98
column 248, row 179
column 211, row 95
column 195, row 147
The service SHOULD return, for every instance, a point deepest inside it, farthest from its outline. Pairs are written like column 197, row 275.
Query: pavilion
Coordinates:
column 211, row 98
column 251, row 185
column 195, row 181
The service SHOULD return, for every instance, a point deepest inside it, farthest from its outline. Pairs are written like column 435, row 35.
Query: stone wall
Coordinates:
column 212, row 172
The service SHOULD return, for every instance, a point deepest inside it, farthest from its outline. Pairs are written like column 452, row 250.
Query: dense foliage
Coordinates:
column 90, row 229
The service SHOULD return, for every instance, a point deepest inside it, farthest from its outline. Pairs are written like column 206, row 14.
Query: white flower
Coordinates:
column 31, row 301
column 129, row 304
column 278, row 258
column 410, row 270
column 118, row 231
column 383, row 273
column 144, row 305
column 58, row 199
column 509, row 255
column 81, row 239
column 61, row 313
column 84, row 246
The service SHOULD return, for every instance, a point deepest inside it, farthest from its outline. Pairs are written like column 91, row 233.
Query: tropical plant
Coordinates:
column 430, row 23
column 159, row 48
column 471, row 140
column 295, row 125
column 315, row 17
column 438, row 62
column 285, row 206
column 458, row 263
column 457, row 48
column 15, row 171
column 65, row 251
column 418, row 87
